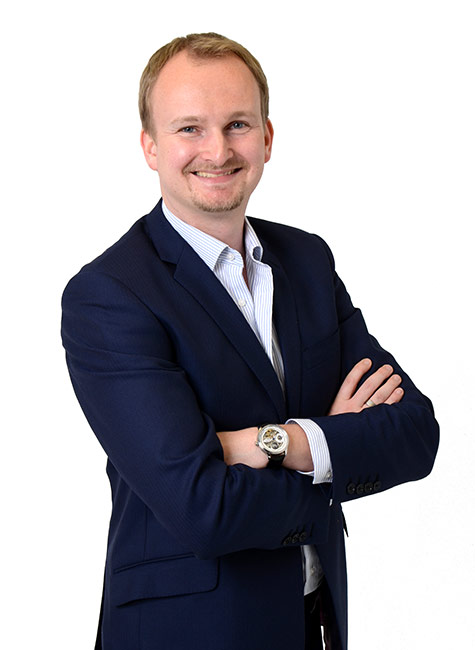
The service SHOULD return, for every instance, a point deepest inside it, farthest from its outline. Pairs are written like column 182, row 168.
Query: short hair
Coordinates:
column 205, row 46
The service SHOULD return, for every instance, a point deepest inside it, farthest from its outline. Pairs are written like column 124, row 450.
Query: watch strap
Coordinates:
column 275, row 462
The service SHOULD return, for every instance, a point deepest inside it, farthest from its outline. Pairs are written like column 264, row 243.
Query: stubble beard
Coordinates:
column 217, row 205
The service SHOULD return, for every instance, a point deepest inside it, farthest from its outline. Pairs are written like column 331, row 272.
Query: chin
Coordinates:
column 223, row 205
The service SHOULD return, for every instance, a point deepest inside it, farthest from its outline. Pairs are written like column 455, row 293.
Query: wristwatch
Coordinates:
column 274, row 442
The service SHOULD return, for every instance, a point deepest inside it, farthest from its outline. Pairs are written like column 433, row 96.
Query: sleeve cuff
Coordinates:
column 322, row 467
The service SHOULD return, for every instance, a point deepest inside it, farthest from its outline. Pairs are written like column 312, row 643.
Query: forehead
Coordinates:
column 189, row 84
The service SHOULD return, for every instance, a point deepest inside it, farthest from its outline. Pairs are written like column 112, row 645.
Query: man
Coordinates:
column 227, row 375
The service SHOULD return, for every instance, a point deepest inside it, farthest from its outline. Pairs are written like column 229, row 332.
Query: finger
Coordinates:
column 395, row 397
column 386, row 390
column 373, row 384
column 352, row 379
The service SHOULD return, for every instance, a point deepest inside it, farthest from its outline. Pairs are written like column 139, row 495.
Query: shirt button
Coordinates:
column 241, row 302
column 313, row 571
column 230, row 257
column 328, row 475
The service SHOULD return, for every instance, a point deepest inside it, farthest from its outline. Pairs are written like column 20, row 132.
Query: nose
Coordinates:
column 216, row 148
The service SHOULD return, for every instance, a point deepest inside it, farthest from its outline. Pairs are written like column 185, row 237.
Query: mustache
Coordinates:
column 229, row 166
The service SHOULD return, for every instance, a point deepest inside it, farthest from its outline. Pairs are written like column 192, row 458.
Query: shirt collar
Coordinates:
column 208, row 247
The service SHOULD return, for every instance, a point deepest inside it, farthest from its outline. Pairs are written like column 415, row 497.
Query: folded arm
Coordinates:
column 381, row 387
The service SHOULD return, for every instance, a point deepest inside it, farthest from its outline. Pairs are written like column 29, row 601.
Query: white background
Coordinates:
column 373, row 107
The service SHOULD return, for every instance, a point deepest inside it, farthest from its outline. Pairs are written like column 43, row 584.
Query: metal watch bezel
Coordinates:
column 272, row 451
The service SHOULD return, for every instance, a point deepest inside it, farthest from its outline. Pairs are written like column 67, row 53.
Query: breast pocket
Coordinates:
column 324, row 352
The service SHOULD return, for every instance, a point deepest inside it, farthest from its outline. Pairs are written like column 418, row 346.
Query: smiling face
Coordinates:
column 209, row 143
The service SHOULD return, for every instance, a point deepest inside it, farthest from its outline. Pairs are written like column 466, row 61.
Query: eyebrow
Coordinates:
column 183, row 120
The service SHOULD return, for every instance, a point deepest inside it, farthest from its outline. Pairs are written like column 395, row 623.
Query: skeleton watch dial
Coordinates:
column 274, row 441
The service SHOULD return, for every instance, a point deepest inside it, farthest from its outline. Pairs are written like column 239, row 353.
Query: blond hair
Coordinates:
column 209, row 45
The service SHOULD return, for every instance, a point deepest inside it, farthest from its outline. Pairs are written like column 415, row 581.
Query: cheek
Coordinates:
column 256, row 160
column 255, row 153
column 172, row 159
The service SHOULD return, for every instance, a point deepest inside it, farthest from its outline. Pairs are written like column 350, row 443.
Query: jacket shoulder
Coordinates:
column 129, row 261
column 132, row 245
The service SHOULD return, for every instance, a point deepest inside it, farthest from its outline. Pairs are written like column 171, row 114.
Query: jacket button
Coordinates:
column 368, row 488
column 295, row 538
column 360, row 489
column 287, row 541
column 302, row 537
column 377, row 486
column 350, row 488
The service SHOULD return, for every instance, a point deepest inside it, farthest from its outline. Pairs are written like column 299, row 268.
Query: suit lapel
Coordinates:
column 286, row 324
column 194, row 276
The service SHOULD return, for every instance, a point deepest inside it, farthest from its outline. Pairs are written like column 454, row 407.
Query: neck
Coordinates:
column 230, row 234
column 228, row 227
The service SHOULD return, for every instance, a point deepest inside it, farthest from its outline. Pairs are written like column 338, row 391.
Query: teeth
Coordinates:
column 206, row 175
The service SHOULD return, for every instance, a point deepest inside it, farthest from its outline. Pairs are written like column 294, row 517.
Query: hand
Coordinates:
column 382, row 387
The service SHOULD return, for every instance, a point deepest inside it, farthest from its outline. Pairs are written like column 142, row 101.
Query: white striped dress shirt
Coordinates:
column 255, row 302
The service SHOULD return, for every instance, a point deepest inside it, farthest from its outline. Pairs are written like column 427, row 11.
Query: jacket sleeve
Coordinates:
column 146, row 416
column 385, row 445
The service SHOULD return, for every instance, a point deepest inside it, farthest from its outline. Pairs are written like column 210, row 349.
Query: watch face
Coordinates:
column 274, row 440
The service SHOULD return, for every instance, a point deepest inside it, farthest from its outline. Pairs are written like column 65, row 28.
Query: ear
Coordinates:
column 149, row 149
column 268, row 138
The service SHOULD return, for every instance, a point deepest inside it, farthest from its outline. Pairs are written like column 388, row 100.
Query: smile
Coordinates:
column 215, row 174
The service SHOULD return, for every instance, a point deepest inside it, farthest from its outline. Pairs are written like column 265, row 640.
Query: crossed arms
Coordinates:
column 382, row 387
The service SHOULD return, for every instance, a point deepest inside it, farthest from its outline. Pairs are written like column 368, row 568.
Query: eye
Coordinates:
column 188, row 129
column 237, row 125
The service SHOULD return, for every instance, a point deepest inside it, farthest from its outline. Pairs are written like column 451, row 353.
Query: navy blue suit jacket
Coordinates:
column 202, row 555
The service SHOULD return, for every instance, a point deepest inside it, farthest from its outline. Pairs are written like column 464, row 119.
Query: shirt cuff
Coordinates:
column 322, row 466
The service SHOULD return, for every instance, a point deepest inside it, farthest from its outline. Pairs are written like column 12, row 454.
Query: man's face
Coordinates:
column 209, row 144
